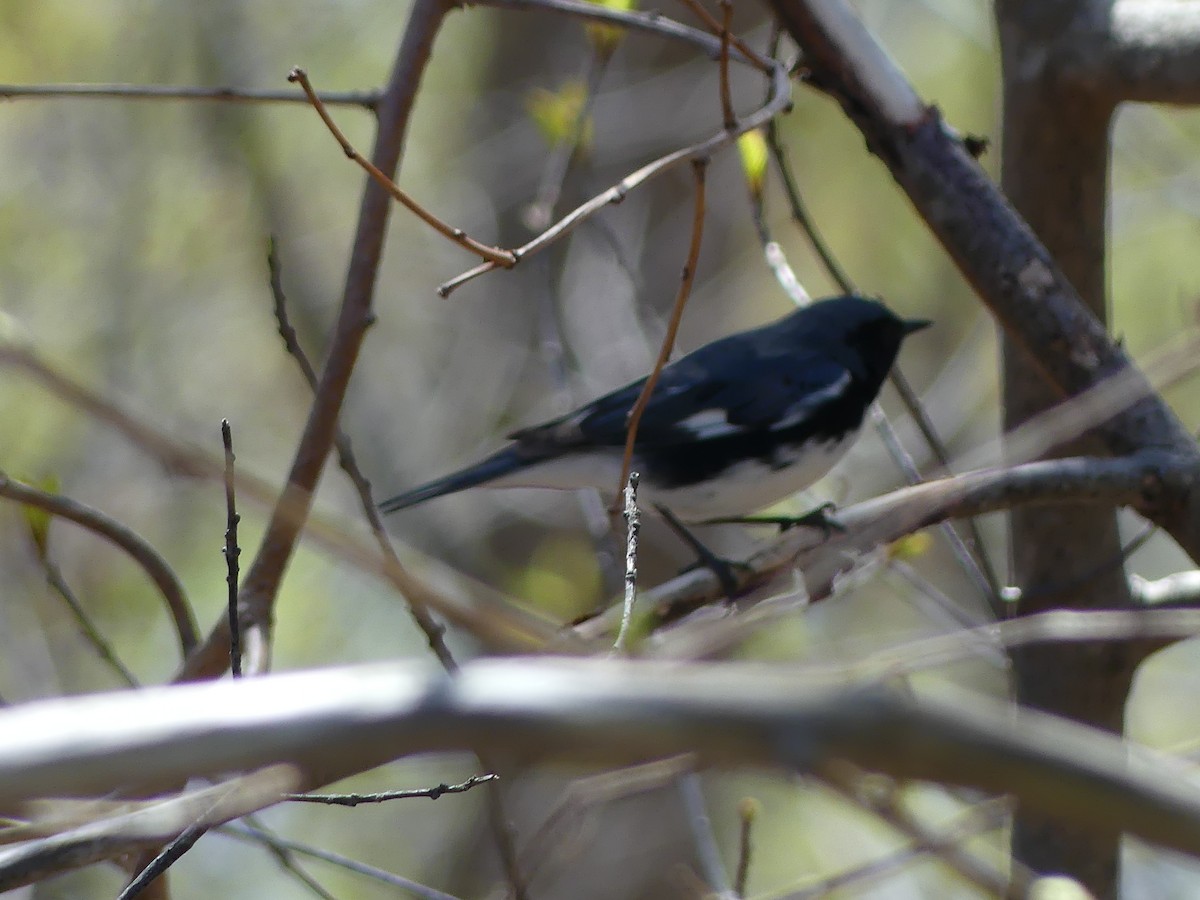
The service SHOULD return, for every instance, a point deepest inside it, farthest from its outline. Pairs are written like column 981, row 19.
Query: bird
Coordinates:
column 733, row 427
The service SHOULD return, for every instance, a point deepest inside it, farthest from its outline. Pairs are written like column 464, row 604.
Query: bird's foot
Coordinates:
column 725, row 569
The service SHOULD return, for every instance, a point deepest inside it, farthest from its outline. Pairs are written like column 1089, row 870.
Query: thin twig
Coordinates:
column 435, row 632
column 491, row 254
column 847, row 780
column 728, row 116
column 747, row 813
column 163, row 861
column 155, row 567
column 779, row 101
column 755, row 58
column 475, row 606
column 421, row 891
column 433, row 793
column 979, row 819
column 633, row 526
column 540, row 212
column 704, row 842
column 91, row 631
column 285, row 857
column 232, row 552
column 293, row 507
column 366, row 99
column 688, row 277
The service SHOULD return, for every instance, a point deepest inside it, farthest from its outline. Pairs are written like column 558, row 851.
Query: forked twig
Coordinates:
column 494, row 255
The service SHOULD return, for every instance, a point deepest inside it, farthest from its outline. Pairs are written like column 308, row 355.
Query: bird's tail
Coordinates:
column 499, row 464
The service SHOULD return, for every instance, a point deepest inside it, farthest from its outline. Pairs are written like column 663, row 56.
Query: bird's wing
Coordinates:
column 698, row 399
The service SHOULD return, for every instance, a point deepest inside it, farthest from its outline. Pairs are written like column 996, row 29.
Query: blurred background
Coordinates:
column 133, row 243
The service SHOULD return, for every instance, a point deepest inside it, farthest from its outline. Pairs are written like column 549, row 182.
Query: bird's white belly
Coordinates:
column 743, row 488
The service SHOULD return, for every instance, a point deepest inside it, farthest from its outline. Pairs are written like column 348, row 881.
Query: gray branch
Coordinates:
column 335, row 722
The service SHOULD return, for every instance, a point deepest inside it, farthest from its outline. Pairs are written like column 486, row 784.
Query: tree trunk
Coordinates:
column 1055, row 171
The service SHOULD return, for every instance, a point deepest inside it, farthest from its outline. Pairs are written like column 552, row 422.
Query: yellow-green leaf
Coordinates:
column 37, row 520
column 556, row 114
column 752, row 148
column 605, row 38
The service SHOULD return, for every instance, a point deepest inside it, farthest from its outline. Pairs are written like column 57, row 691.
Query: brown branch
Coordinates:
column 492, row 254
column 728, row 116
column 686, row 280
column 262, row 581
column 434, row 632
column 147, row 558
column 715, row 27
column 780, row 100
column 365, row 99
column 474, row 606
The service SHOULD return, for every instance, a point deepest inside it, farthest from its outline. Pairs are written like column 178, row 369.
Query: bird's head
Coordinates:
column 865, row 331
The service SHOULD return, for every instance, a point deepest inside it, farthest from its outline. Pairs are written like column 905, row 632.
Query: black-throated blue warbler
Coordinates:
column 732, row 427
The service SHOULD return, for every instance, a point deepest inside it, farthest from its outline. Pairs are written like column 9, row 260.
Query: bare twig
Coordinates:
column 491, row 254
column 420, row 891
column 366, row 99
column 704, row 841
column 147, row 558
column 687, row 278
column 232, row 552
column 434, row 632
column 747, row 813
column 434, row 793
column 715, row 27
column 261, row 583
column 633, row 527
column 475, row 606
column 780, row 100
column 728, row 116
column 979, row 819
column 91, row 631
column 846, row 780
column 165, row 858
column 1177, row 589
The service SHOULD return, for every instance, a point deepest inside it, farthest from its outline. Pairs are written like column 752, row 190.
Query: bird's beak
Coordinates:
column 911, row 325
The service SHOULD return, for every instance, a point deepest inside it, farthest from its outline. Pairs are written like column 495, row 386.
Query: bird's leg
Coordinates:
column 719, row 566
column 817, row 518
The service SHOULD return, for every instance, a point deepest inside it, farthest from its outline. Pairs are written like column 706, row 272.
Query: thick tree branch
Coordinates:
column 1142, row 50
column 996, row 251
column 334, row 722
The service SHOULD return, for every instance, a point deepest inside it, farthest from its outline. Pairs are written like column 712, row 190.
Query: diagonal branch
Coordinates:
column 261, row 584
column 993, row 247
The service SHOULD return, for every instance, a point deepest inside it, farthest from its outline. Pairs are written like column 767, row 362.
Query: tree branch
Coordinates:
column 334, row 722
column 265, row 573
column 996, row 251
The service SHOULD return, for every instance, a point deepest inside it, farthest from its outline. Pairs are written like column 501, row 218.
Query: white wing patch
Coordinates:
column 798, row 412
column 708, row 423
